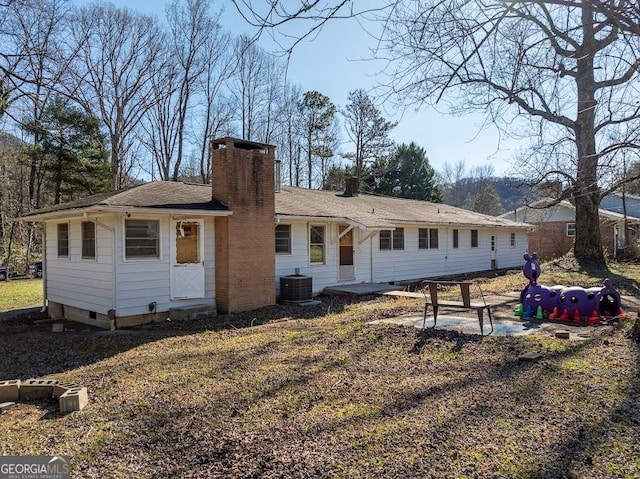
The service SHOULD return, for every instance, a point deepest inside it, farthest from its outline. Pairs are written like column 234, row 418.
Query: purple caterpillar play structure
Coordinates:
column 560, row 303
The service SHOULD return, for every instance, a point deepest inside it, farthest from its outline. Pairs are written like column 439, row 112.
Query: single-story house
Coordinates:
column 556, row 227
column 618, row 203
column 133, row 255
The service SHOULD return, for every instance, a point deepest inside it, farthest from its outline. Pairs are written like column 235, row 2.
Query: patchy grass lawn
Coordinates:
column 18, row 294
column 321, row 393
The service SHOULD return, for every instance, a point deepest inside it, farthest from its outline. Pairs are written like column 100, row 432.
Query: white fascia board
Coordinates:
column 327, row 219
column 71, row 213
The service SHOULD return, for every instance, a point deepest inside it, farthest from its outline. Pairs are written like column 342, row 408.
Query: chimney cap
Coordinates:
column 241, row 144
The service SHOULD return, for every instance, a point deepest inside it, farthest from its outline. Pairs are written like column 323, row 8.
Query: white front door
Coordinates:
column 187, row 264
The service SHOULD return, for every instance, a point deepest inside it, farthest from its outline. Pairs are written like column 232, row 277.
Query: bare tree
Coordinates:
column 288, row 137
column 36, row 59
column 250, row 67
column 367, row 129
column 189, row 25
column 566, row 68
column 451, row 178
column 216, row 106
column 116, row 64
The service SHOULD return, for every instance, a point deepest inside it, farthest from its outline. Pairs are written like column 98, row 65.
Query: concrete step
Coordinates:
column 193, row 312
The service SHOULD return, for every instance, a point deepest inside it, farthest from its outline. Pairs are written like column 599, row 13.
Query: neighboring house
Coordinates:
column 556, row 227
column 618, row 203
column 133, row 255
column 614, row 202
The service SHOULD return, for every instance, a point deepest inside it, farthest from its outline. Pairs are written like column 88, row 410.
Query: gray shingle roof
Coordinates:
column 378, row 212
column 367, row 211
column 155, row 195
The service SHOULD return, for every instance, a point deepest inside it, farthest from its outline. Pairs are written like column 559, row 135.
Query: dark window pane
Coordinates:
column 385, row 239
column 423, row 238
column 283, row 239
column 398, row 238
column 433, row 238
column 63, row 239
column 88, row 240
column 142, row 239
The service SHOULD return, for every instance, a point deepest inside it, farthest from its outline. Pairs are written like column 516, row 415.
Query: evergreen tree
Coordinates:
column 73, row 154
column 405, row 174
column 317, row 114
column 336, row 176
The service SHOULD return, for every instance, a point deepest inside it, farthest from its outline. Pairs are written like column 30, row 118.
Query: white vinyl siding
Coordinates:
column 389, row 265
column 76, row 282
column 143, row 282
column 88, row 285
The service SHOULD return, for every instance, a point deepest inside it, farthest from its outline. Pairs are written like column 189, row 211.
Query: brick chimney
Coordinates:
column 243, row 178
column 350, row 186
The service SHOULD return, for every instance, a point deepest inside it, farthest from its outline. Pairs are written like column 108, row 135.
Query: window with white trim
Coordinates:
column 392, row 240
column 316, row 244
column 88, row 233
column 63, row 240
column 474, row 238
column 571, row 229
column 428, row 238
column 141, row 239
column 283, row 239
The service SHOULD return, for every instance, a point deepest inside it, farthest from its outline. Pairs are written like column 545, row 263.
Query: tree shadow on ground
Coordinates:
column 31, row 350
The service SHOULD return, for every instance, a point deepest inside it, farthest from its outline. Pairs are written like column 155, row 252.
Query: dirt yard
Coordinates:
column 321, row 392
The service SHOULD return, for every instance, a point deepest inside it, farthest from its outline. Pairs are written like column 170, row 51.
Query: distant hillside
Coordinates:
column 7, row 140
column 487, row 195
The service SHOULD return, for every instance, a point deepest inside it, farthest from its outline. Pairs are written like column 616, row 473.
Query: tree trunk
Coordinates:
column 586, row 194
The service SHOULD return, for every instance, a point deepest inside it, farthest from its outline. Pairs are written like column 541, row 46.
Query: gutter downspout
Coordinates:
column 44, row 268
column 371, row 258
column 114, row 294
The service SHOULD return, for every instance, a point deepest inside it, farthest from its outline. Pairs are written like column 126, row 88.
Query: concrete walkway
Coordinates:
column 501, row 327
column 360, row 289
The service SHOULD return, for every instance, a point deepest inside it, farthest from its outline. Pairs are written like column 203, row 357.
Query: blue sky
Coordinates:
column 334, row 63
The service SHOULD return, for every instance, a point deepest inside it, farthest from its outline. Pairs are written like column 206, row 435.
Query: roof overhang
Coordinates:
column 376, row 224
column 357, row 223
column 70, row 213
